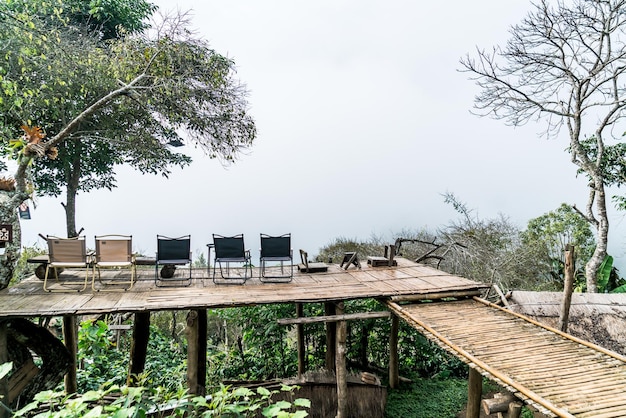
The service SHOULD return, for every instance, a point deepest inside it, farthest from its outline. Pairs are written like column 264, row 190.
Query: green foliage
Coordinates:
column 101, row 362
column 23, row 269
column 427, row 398
column 259, row 348
column 200, row 260
column 604, row 273
column 551, row 233
column 140, row 401
column 243, row 402
column 334, row 251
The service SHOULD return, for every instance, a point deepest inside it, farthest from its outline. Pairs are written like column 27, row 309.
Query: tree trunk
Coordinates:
column 24, row 337
column 73, row 181
column 602, row 234
column 8, row 215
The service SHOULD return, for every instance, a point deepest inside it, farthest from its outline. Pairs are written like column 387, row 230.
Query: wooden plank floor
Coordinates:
column 28, row 299
column 555, row 372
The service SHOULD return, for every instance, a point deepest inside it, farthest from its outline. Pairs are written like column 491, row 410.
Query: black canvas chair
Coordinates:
column 172, row 252
column 229, row 250
column 276, row 249
column 66, row 253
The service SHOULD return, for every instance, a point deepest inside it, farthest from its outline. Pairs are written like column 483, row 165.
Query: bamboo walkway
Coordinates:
column 555, row 372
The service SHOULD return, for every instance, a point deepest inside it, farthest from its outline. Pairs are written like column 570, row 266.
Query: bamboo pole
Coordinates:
column 340, row 365
column 394, row 369
column 437, row 295
column 334, row 318
column 71, row 343
column 568, row 288
column 474, row 393
column 138, row 347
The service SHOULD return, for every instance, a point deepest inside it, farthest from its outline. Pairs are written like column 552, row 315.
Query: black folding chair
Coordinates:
column 172, row 252
column 230, row 250
column 276, row 249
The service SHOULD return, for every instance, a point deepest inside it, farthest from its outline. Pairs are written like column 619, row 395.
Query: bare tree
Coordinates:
column 564, row 65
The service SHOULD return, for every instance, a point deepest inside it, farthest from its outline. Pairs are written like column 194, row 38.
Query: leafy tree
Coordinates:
column 563, row 65
column 159, row 86
column 552, row 232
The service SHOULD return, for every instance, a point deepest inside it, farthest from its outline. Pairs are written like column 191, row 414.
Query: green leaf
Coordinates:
column 604, row 272
column 96, row 412
column 283, row 404
column 302, row 402
column 25, row 411
column 271, row 411
column 620, row 289
column 263, row 391
column 5, row 369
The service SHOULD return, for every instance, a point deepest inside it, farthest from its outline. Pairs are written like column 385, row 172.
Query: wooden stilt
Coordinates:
column 71, row 343
column 474, row 393
column 568, row 288
column 340, row 365
column 139, row 347
column 394, row 370
column 202, row 347
column 4, row 358
column 300, row 337
column 331, row 336
column 196, row 351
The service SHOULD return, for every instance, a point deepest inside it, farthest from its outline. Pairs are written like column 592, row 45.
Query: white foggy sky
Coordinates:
column 363, row 122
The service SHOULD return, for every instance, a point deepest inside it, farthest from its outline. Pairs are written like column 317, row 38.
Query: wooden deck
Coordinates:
column 28, row 299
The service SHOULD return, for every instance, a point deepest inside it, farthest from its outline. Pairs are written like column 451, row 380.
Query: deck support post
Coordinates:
column 300, row 338
column 568, row 287
column 138, row 347
column 341, row 372
column 331, row 336
column 196, row 351
column 71, row 343
column 4, row 358
column 394, row 369
column 474, row 393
